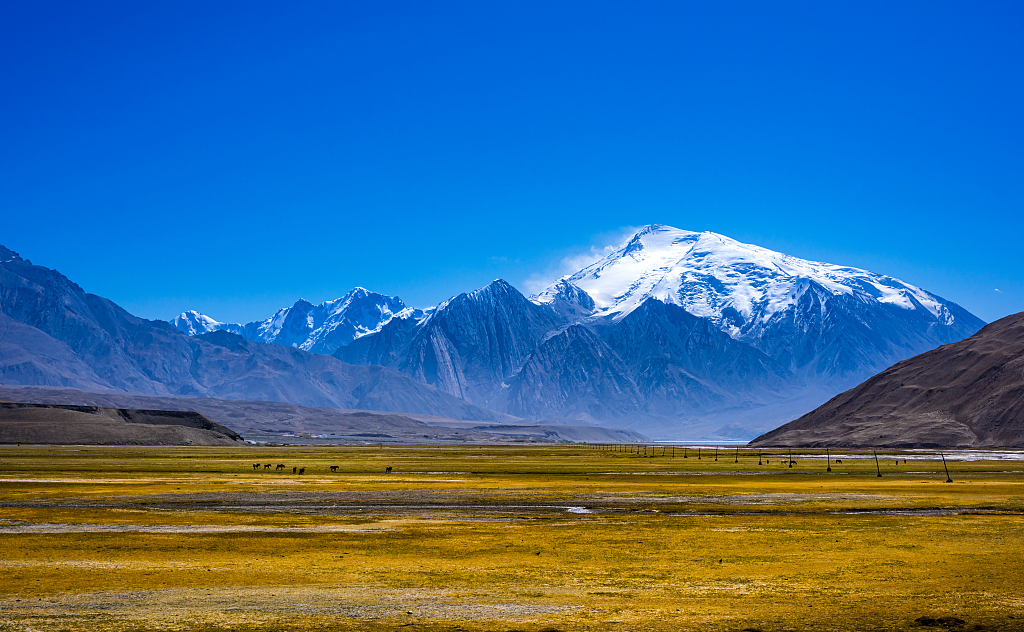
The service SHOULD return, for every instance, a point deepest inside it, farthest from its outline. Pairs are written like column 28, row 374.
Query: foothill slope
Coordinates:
column 966, row 394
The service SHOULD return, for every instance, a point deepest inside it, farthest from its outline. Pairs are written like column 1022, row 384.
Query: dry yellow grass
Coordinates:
column 497, row 538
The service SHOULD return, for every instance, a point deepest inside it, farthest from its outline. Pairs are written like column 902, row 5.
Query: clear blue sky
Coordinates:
column 232, row 157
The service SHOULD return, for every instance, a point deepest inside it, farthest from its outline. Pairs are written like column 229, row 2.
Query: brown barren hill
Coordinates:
column 966, row 394
column 93, row 425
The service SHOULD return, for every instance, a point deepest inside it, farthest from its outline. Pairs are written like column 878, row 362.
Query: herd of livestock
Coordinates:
column 297, row 470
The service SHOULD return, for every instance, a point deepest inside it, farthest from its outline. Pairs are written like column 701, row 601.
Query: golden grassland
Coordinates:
column 503, row 538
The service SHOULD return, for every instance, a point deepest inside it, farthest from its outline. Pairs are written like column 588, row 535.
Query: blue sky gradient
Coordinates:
column 232, row 157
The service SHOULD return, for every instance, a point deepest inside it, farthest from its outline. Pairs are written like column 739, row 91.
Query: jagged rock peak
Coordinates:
column 496, row 291
column 565, row 291
column 7, row 255
column 497, row 287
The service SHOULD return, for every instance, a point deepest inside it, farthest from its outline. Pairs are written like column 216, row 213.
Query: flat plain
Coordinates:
column 505, row 538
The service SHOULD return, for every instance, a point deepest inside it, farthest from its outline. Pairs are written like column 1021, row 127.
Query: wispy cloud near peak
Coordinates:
column 601, row 246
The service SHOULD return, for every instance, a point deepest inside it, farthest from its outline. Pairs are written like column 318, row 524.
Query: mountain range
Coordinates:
column 676, row 334
column 53, row 333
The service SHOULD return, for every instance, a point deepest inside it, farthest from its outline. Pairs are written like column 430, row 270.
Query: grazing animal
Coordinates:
column 255, row 466
column 294, row 470
column 302, row 470
column 792, row 462
column 388, row 471
column 334, row 468
column 280, row 466
column 266, row 466
column 839, row 460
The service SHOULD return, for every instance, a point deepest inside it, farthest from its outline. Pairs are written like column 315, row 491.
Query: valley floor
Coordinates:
column 505, row 538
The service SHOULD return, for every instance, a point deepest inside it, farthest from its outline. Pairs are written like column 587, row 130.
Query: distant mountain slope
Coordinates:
column 57, row 334
column 319, row 328
column 969, row 393
column 658, row 362
column 675, row 332
column 575, row 375
column 683, row 363
column 472, row 343
column 820, row 320
column 28, row 356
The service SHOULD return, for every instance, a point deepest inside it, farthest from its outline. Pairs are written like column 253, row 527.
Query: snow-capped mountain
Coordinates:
column 195, row 324
column 319, row 328
column 818, row 318
column 325, row 327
